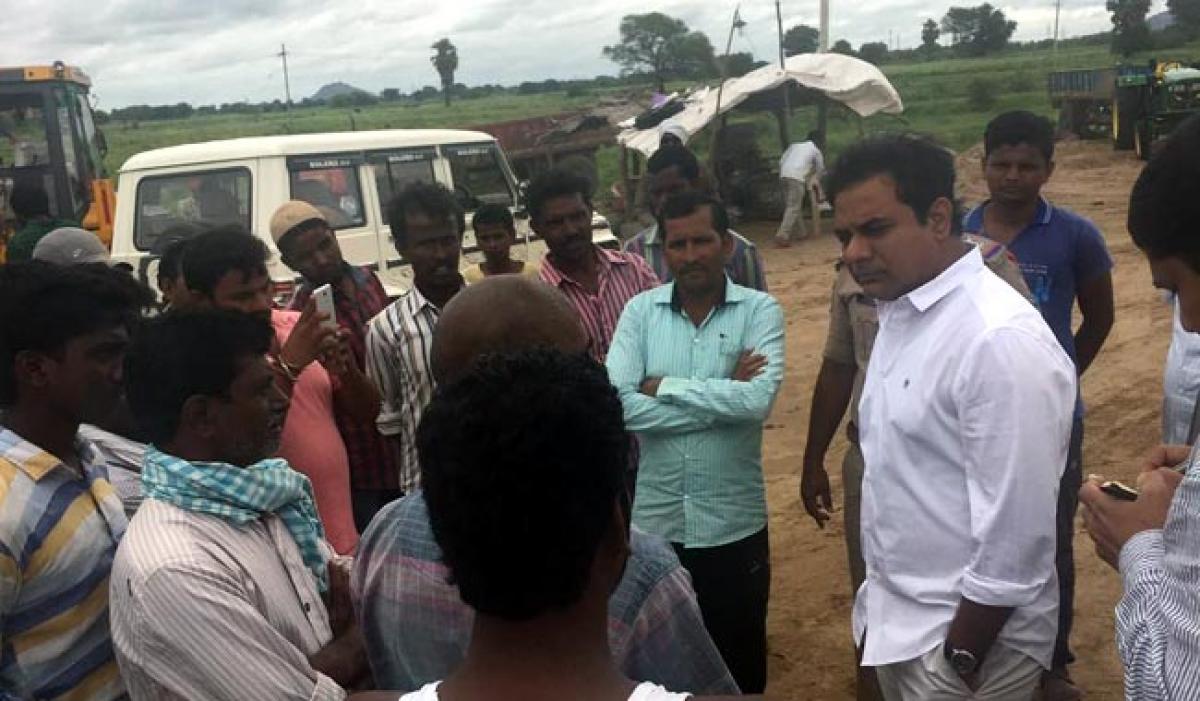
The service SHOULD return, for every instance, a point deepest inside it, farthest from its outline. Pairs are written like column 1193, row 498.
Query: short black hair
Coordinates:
column 494, row 215
column 211, row 255
column 28, row 199
column 433, row 199
column 674, row 157
column 683, row 204
column 1019, row 127
column 921, row 168
column 44, row 306
column 522, row 459
column 553, row 183
column 1164, row 206
column 182, row 354
column 171, row 262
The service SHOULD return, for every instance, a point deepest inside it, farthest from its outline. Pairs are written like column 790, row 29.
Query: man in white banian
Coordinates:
column 800, row 168
column 964, row 424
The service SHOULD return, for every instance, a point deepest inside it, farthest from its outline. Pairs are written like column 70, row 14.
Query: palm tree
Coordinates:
column 446, row 62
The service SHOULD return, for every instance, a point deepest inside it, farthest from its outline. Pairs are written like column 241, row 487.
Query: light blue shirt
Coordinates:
column 700, row 479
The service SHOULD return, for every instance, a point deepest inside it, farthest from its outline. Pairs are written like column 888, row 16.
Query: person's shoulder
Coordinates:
column 284, row 320
column 382, row 320
column 651, row 557
column 742, row 240
column 401, row 528
column 161, row 536
column 1066, row 219
column 472, row 273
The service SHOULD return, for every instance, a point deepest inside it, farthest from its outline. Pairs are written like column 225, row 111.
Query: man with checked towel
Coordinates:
column 224, row 587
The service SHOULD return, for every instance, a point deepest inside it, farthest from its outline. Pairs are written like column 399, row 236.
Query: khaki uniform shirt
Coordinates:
column 853, row 320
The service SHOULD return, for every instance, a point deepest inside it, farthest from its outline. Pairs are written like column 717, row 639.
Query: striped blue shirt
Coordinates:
column 58, row 535
column 1158, row 618
column 700, row 479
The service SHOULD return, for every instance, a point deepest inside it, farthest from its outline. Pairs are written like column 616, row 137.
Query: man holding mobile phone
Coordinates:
column 309, row 245
column 964, row 424
column 1152, row 540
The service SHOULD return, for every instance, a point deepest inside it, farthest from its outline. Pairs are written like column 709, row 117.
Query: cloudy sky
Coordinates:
column 166, row 51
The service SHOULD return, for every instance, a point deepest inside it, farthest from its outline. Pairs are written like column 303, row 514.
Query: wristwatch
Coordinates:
column 963, row 661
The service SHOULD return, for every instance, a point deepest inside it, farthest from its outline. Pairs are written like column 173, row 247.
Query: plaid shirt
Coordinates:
column 622, row 276
column 417, row 628
column 374, row 458
column 745, row 266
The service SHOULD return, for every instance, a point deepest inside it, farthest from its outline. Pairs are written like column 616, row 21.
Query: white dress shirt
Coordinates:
column 801, row 161
column 964, row 422
column 1181, row 382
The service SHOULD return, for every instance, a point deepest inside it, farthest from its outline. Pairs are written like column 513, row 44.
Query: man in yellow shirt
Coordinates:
column 495, row 234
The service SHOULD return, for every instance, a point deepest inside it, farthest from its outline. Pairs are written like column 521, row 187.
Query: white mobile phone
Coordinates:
column 324, row 297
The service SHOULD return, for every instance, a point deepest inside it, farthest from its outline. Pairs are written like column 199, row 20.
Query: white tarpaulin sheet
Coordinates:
column 853, row 82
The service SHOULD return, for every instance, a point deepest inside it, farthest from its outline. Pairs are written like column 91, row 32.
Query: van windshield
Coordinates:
column 478, row 175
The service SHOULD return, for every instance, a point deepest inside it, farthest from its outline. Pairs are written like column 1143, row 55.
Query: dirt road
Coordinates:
column 810, row 641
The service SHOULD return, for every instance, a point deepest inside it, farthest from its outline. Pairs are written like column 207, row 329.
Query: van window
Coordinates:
column 329, row 183
column 478, row 176
column 213, row 197
column 395, row 169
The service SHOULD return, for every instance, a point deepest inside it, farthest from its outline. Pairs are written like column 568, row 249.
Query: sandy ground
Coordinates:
column 810, row 641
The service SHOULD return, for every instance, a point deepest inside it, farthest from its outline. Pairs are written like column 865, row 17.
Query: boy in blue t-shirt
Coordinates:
column 1064, row 260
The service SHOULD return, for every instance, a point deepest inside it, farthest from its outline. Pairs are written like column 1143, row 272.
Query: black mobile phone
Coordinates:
column 1116, row 490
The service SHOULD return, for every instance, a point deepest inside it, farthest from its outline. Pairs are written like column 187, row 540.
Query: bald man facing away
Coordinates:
column 417, row 629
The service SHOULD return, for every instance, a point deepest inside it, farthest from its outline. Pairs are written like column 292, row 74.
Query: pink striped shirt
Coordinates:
column 622, row 276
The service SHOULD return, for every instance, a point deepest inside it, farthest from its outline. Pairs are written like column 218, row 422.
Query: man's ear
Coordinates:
column 33, row 369
column 941, row 217
column 199, row 415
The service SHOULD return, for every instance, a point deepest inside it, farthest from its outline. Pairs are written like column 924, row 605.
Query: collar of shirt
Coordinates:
column 933, row 291
column 604, row 258
column 668, row 294
column 37, row 463
column 973, row 222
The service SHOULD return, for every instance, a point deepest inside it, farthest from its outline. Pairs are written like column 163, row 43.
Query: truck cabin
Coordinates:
column 48, row 136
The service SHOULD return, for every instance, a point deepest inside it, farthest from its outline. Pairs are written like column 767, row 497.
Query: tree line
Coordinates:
column 656, row 48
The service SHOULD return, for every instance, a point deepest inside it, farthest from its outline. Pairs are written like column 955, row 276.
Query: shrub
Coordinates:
column 981, row 94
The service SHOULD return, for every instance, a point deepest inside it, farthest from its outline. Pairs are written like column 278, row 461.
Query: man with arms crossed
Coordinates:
column 698, row 363
column 965, row 418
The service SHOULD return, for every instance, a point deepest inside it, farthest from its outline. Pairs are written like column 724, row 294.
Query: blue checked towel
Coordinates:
column 241, row 495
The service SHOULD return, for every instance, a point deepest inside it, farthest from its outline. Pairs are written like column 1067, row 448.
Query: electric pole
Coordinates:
column 823, row 47
column 287, row 86
column 784, row 138
column 1057, row 10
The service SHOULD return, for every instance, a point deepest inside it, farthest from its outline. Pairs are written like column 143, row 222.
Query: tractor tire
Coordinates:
column 1143, row 141
column 1127, row 112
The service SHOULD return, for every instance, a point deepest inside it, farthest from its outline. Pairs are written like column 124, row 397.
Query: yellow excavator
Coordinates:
column 48, row 136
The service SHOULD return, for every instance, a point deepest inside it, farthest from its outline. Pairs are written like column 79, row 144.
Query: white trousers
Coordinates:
column 1007, row 675
column 793, row 215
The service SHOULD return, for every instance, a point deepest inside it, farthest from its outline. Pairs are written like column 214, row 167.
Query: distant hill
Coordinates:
column 332, row 90
column 1160, row 21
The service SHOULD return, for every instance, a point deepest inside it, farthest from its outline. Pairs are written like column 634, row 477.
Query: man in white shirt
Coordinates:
column 800, row 169
column 1181, row 382
column 964, row 423
column 1151, row 540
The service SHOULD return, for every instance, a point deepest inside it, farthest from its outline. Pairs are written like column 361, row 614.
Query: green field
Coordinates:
column 935, row 95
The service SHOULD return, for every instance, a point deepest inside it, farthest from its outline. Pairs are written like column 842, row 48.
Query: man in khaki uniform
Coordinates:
column 853, row 323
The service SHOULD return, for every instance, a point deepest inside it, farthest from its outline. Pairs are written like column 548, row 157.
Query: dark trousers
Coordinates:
column 367, row 502
column 1064, row 560
column 733, row 584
